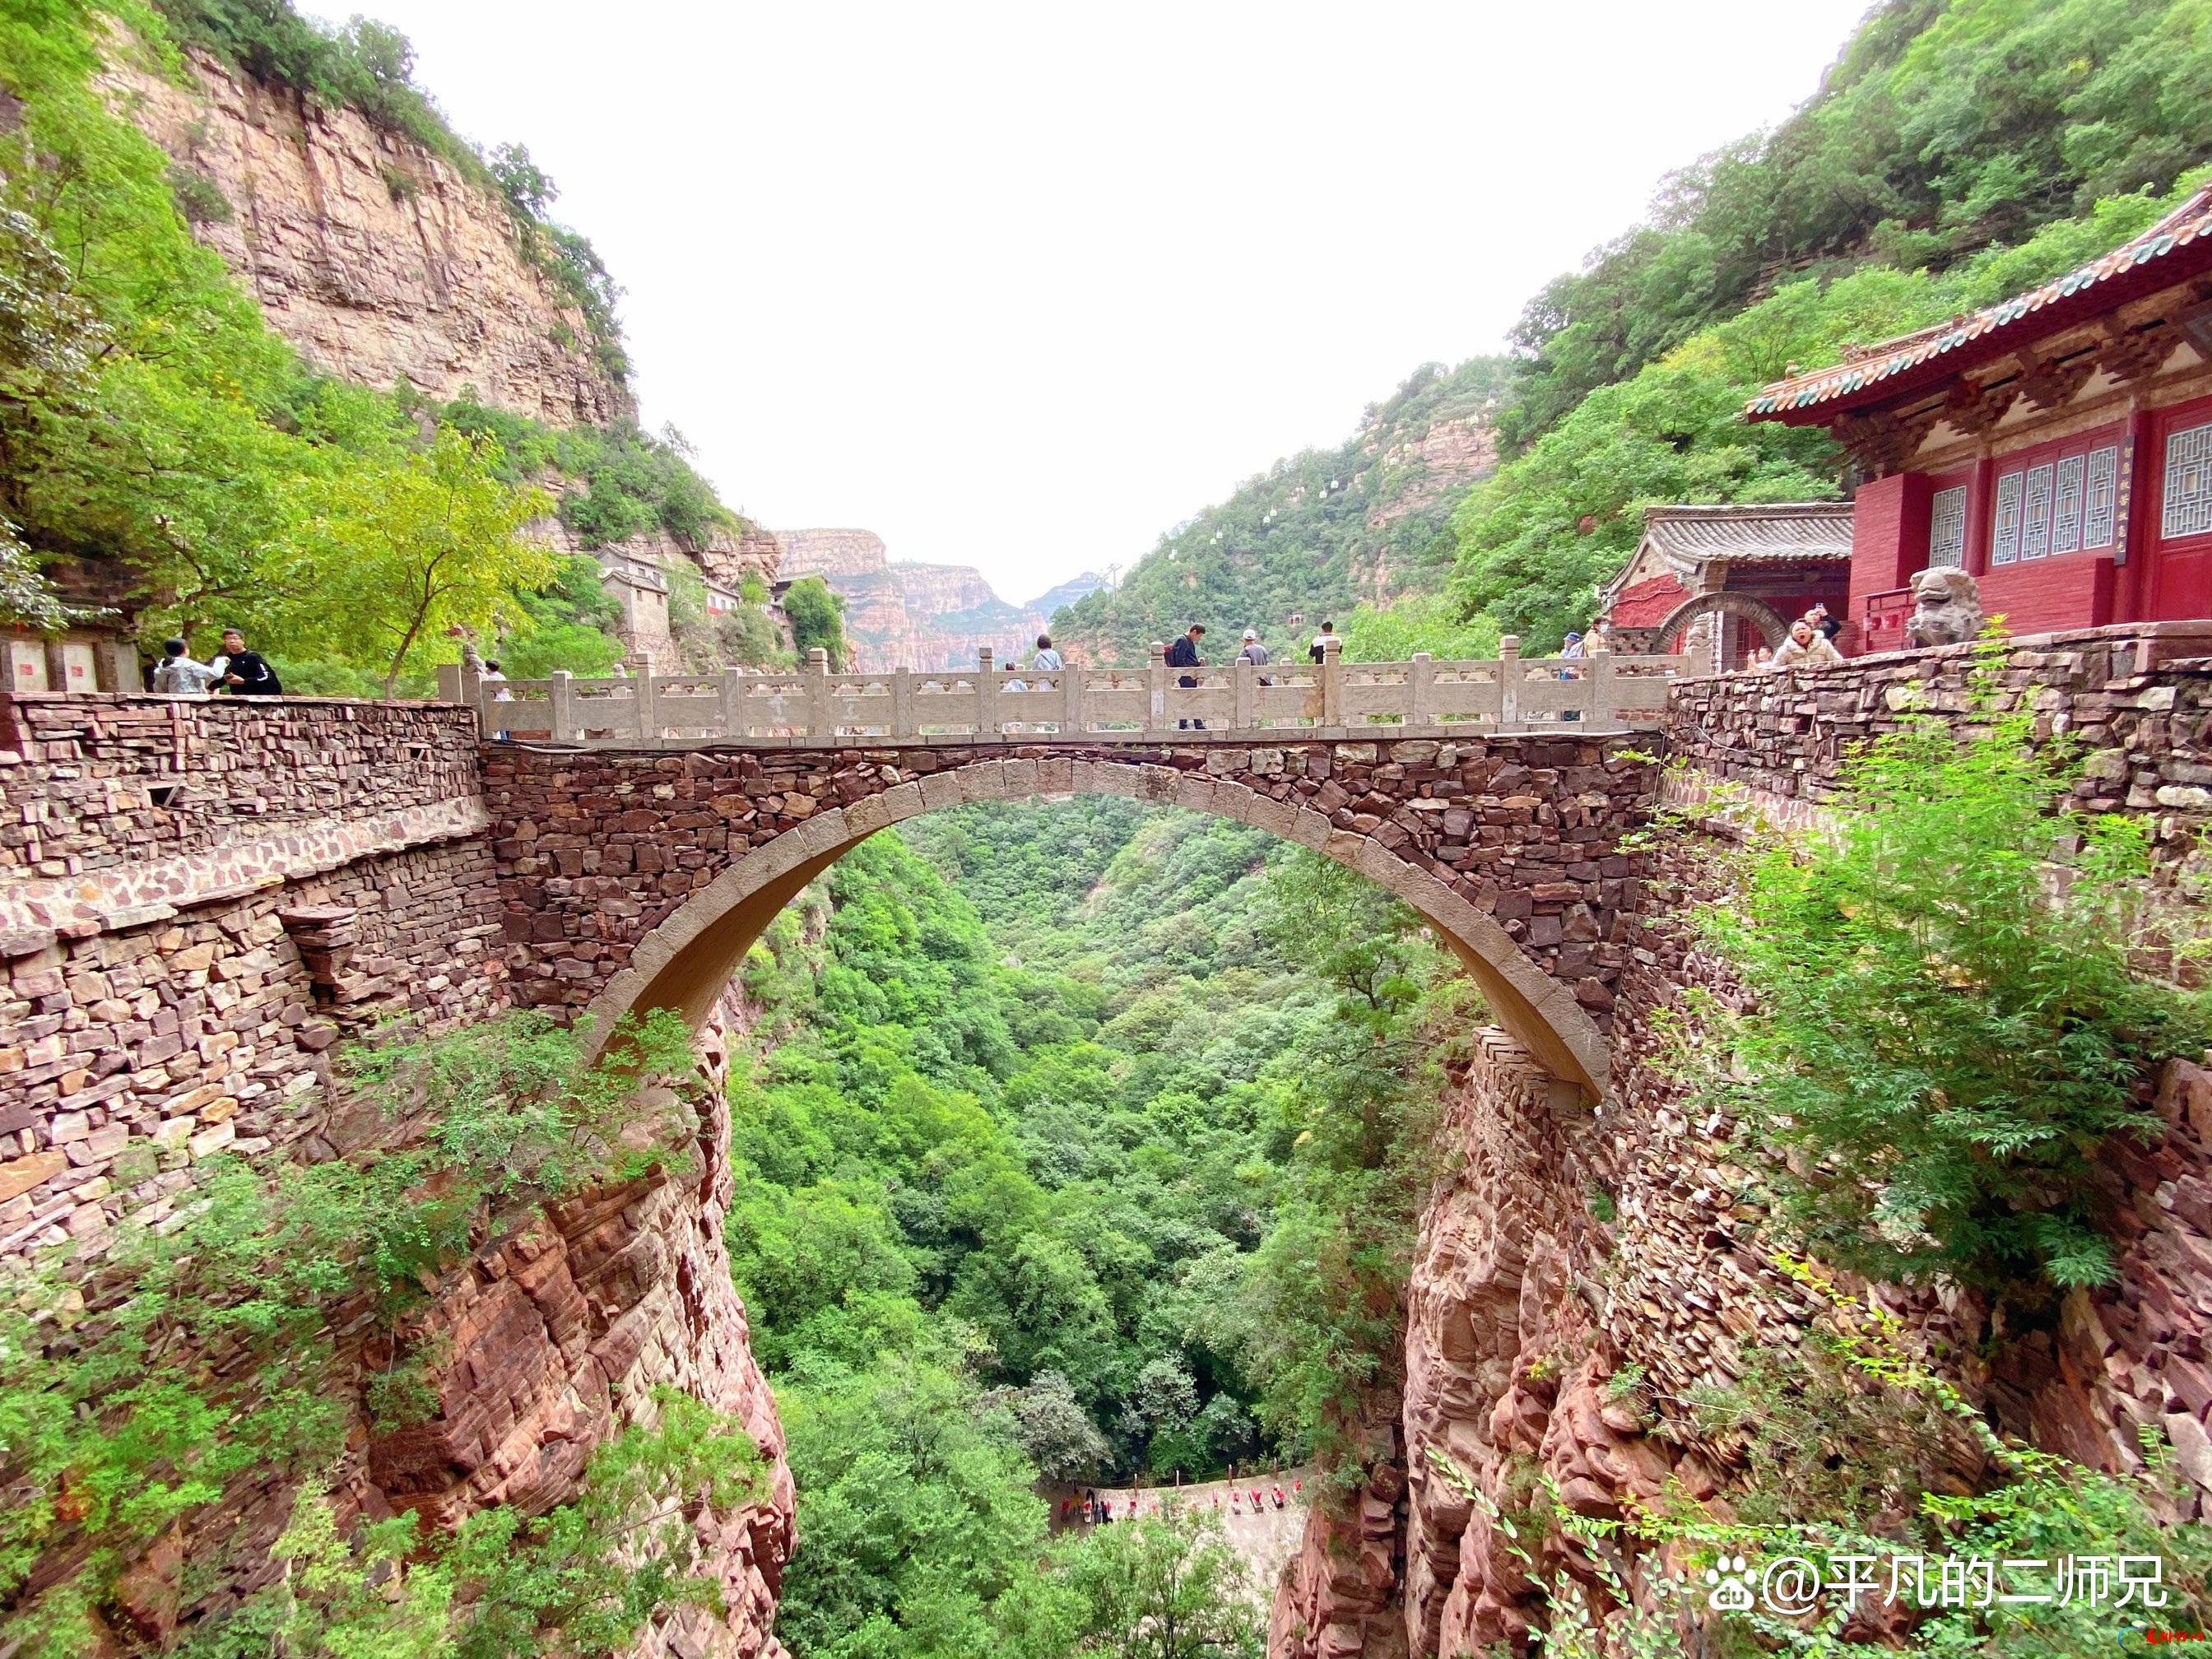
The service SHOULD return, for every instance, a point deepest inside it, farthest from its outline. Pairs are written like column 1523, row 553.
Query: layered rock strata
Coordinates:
column 376, row 258
column 203, row 898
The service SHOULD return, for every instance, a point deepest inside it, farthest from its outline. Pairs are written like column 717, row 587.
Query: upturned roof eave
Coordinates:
column 2160, row 258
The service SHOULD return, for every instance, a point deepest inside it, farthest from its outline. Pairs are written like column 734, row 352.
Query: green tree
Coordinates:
column 817, row 619
column 1166, row 1587
column 1945, row 1031
column 393, row 555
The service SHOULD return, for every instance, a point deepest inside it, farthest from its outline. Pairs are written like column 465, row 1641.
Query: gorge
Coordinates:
column 713, row 1137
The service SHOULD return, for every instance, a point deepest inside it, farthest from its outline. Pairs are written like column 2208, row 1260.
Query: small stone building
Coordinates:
column 2057, row 445
column 1716, row 580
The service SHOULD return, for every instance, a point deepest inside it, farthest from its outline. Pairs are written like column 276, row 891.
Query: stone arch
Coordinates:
column 685, row 960
column 1773, row 627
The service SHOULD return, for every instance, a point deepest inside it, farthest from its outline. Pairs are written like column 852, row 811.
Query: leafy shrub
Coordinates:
column 817, row 619
column 113, row 1424
column 1947, row 1024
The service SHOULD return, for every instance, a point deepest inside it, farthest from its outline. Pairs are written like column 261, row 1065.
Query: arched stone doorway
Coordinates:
column 684, row 961
column 1773, row 627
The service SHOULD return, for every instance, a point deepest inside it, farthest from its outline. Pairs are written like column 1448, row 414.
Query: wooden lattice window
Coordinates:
column 1947, row 528
column 2186, row 509
column 2066, row 510
column 2004, row 524
column 2035, row 513
column 2102, row 497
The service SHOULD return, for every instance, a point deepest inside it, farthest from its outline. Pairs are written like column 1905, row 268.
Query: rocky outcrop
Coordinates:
column 927, row 617
column 1339, row 1597
column 376, row 258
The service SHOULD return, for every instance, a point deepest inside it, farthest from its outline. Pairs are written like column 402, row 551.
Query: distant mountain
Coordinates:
column 904, row 615
column 1067, row 593
column 1317, row 532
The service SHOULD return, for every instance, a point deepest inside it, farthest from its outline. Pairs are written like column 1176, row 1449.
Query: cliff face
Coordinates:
column 1553, row 1336
column 374, row 257
column 927, row 617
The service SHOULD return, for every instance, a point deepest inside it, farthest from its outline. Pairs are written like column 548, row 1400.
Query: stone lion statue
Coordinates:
column 1947, row 608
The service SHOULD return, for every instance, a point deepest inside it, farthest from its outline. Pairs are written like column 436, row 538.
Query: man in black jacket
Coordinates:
column 245, row 674
column 1183, row 653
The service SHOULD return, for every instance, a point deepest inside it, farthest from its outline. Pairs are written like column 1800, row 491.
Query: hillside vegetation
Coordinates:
column 1958, row 151
column 164, row 454
column 1312, row 534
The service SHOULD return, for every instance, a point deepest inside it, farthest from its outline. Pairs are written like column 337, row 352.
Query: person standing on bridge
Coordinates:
column 177, row 675
column 1047, row 660
column 1319, row 650
column 1183, row 653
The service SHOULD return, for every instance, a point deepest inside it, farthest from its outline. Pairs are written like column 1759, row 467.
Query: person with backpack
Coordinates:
column 246, row 674
column 1183, row 653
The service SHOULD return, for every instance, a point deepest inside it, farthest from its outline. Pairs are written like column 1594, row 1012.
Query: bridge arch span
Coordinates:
column 684, row 960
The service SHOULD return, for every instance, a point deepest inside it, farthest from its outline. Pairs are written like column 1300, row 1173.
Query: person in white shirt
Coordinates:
column 1322, row 640
column 177, row 675
column 1807, row 647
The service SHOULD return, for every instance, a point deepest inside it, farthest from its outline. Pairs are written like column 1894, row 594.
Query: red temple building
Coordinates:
column 1716, row 581
column 2057, row 445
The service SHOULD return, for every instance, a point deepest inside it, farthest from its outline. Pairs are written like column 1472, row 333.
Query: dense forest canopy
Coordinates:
column 1075, row 1126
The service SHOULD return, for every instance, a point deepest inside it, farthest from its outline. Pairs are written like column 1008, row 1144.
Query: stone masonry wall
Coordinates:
column 201, row 899
column 118, row 810
column 2138, row 699
column 596, row 848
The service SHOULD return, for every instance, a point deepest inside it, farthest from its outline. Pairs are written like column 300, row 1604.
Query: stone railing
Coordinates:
column 989, row 703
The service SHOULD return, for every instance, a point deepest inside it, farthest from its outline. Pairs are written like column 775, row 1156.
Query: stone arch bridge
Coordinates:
column 638, row 877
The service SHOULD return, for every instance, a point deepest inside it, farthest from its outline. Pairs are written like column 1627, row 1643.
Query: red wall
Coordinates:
column 1889, row 536
column 2074, row 590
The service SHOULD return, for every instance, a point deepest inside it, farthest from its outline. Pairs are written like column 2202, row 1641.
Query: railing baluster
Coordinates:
column 1155, row 682
column 648, row 718
column 1331, row 684
column 734, row 702
column 1248, row 687
column 1418, row 679
column 818, row 692
column 557, row 698
column 1508, row 683
column 1071, row 688
column 903, row 723
column 986, row 695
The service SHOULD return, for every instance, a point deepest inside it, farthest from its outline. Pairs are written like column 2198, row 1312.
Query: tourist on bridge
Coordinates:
column 1319, row 650
column 177, row 675
column 1252, row 651
column 244, row 673
column 1047, row 660
column 1183, row 653
column 1806, row 646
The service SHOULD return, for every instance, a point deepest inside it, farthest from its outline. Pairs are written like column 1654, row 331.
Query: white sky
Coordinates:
column 1021, row 286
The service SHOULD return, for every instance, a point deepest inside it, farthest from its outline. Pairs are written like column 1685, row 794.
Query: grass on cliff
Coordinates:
column 1951, row 1022
column 198, row 1353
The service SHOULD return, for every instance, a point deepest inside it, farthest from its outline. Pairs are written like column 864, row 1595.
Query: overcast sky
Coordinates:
column 1020, row 287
